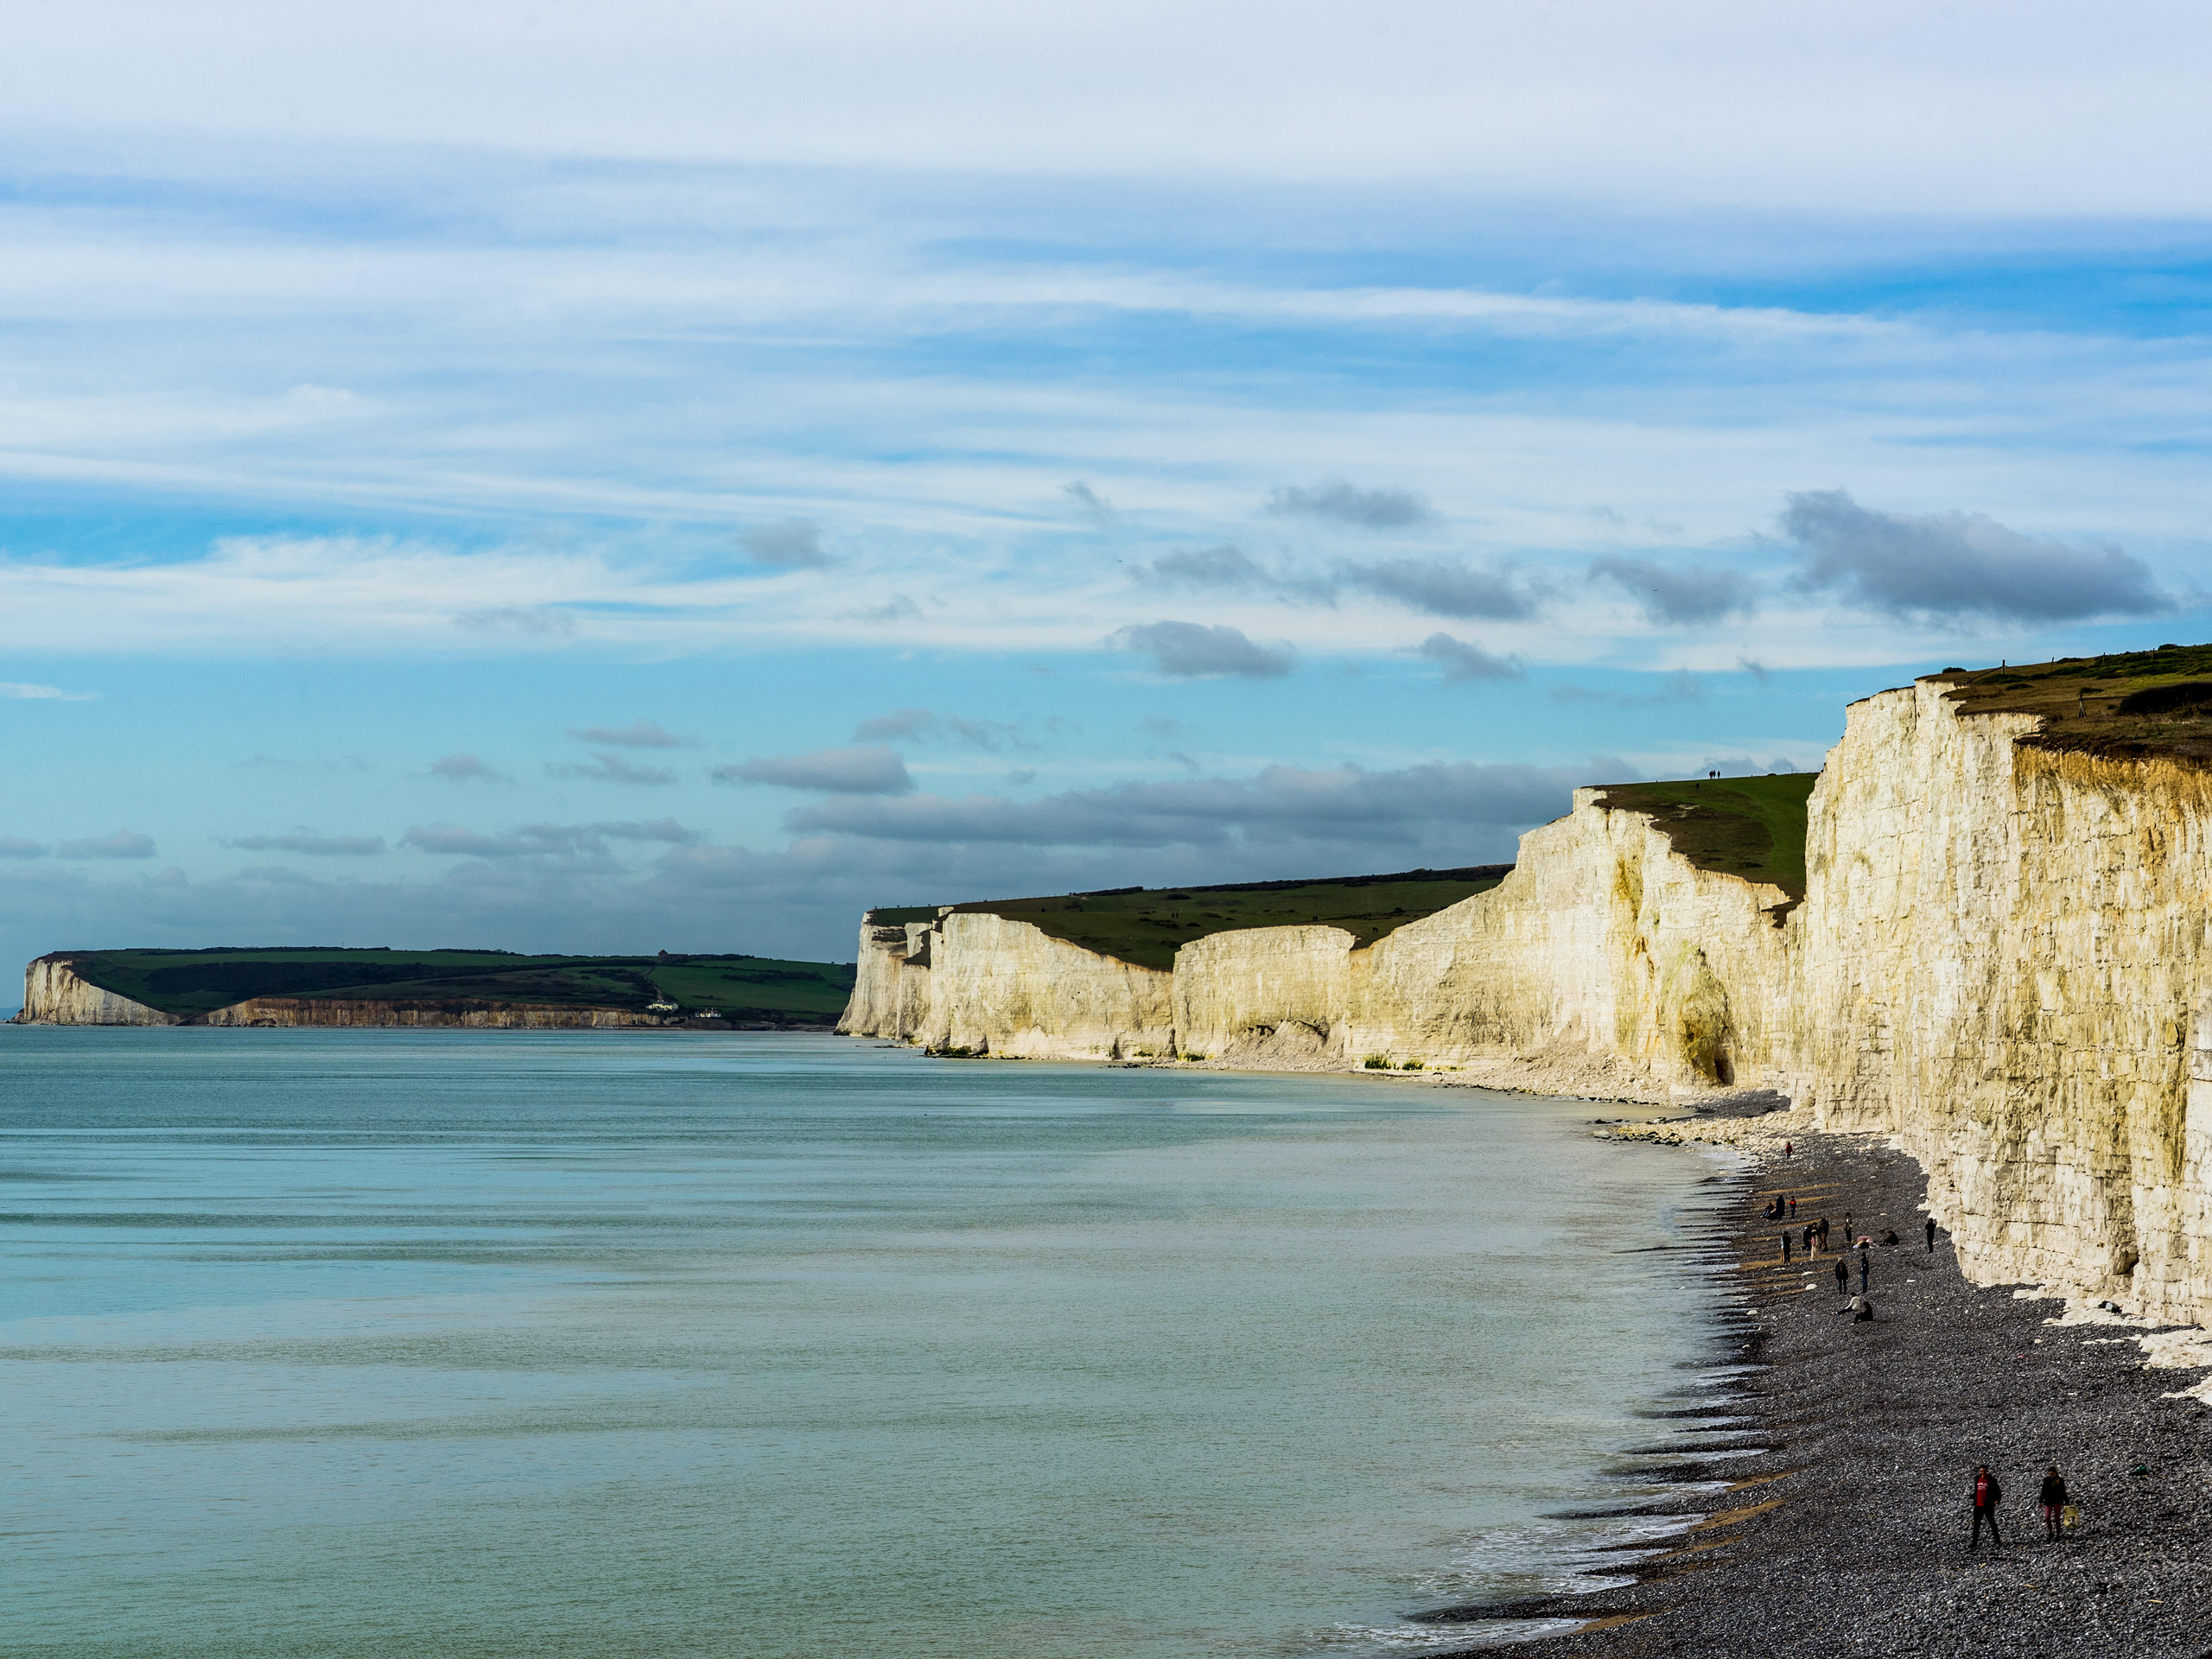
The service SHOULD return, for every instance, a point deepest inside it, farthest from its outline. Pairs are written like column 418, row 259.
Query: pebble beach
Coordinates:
column 1817, row 1495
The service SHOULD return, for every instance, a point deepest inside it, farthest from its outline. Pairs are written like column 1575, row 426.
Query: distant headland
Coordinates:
column 492, row 989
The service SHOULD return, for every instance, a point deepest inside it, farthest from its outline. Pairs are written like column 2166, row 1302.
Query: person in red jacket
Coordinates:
column 1987, row 1494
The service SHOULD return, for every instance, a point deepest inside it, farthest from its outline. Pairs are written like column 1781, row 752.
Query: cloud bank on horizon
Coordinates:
column 453, row 497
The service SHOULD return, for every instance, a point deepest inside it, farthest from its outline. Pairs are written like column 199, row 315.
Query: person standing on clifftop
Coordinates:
column 1931, row 1235
column 1987, row 1494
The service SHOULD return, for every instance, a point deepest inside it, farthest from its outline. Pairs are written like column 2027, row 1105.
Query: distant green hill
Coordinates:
column 1144, row 925
column 750, row 989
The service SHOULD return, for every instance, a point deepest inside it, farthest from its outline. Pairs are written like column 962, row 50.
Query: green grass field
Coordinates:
column 2133, row 705
column 1146, row 925
column 187, row 982
column 1751, row 826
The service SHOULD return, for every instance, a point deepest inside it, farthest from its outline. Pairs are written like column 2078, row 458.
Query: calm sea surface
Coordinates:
column 513, row 1344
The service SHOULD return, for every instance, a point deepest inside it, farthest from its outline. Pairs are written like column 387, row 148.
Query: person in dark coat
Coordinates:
column 1987, row 1495
column 2052, row 1498
column 1931, row 1235
column 1843, row 1278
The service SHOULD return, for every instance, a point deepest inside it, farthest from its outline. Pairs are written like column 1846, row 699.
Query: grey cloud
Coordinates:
column 1688, row 592
column 1089, row 499
column 868, row 770
column 1161, row 726
column 926, row 725
column 1212, row 566
column 1445, row 588
column 795, row 544
column 570, row 841
column 1758, row 670
column 1958, row 563
column 1682, row 686
column 119, row 843
column 313, row 845
column 462, row 768
column 897, row 609
column 1191, row 651
column 16, row 847
column 606, row 767
column 1282, row 803
column 516, row 619
column 1463, row 660
column 640, row 734
column 1363, row 509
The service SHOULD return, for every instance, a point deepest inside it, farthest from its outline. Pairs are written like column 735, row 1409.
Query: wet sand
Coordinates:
column 1847, row 1453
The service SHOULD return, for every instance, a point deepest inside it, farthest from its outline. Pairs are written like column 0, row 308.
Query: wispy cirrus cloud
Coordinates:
column 23, row 691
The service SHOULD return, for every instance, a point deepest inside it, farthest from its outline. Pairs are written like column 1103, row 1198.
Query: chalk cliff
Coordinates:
column 2003, row 959
column 55, row 995
column 346, row 1011
column 1603, row 945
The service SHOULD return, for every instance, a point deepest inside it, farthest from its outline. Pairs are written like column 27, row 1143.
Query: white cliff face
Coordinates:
column 1603, row 945
column 1264, row 995
column 55, row 995
column 2005, row 951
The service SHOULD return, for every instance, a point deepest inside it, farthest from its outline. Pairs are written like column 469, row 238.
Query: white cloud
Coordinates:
column 26, row 693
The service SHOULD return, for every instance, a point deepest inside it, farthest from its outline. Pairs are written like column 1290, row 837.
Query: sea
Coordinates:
column 446, row 1343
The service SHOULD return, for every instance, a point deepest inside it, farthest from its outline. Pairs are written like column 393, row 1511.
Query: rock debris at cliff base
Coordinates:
column 1846, row 1534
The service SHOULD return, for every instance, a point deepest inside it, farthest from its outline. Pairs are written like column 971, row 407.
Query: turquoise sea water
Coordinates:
column 513, row 1344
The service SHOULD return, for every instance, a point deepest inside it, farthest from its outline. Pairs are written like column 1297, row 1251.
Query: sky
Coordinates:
column 667, row 477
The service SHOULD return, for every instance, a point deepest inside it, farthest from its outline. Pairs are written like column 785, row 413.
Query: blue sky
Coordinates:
column 568, row 481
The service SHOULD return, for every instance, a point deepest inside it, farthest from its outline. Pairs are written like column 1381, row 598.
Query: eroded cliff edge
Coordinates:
column 1999, row 959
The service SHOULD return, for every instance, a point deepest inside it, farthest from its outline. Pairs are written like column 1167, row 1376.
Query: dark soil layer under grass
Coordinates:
column 1146, row 926
column 1751, row 826
column 187, row 982
column 1824, row 1490
column 2133, row 705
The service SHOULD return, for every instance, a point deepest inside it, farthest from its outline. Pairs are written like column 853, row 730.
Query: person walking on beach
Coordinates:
column 1824, row 1233
column 1785, row 1249
column 1987, row 1494
column 2052, row 1497
column 1931, row 1235
column 1786, row 1150
column 1808, row 1240
column 1843, row 1278
column 1793, row 1209
column 1862, row 1269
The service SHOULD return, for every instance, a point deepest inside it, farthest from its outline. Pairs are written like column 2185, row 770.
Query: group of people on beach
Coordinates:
column 1814, row 1241
column 2059, row 1514
column 2058, row 1510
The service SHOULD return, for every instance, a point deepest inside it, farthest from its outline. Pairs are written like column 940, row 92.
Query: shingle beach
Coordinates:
column 1844, row 1531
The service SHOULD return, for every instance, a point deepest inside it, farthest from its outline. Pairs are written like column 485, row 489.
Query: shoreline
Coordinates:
column 1825, row 1512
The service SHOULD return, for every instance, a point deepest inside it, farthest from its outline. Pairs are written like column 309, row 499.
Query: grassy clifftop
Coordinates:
column 2132, row 705
column 187, row 982
column 1751, row 826
column 1145, row 925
